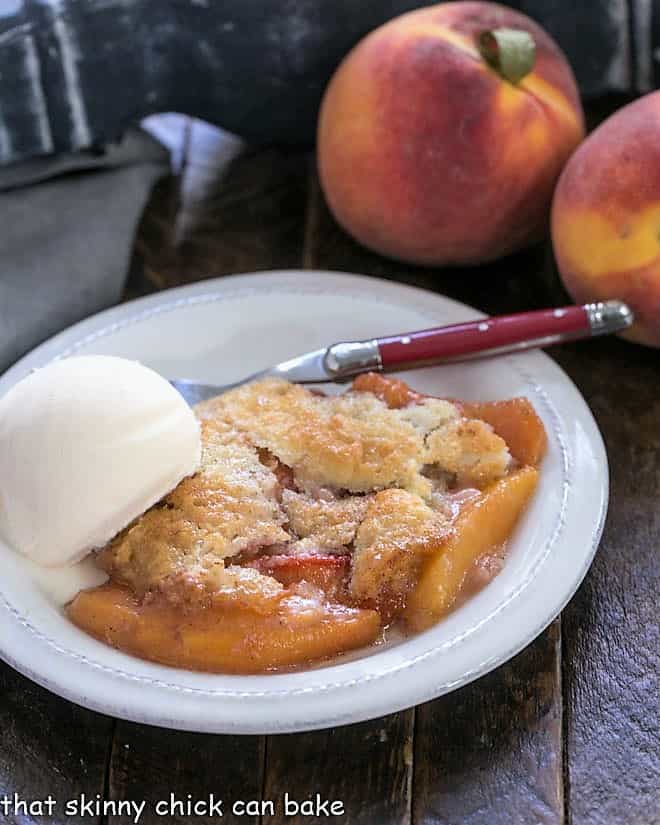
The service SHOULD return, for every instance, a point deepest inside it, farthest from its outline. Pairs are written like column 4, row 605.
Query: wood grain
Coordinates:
column 173, row 768
column 612, row 642
column 491, row 753
column 229, row 209
column 367, row 767
column 48, row 746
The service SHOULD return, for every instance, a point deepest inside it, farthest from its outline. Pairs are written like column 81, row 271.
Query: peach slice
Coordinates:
column 231, row 640
column 481, row 527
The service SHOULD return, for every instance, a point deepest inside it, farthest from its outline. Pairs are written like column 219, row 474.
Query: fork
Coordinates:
column 439, row 345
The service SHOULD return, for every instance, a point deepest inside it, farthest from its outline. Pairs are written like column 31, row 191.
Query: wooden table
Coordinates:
column 566, row 732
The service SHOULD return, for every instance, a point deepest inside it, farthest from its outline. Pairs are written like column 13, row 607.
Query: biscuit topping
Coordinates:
column 286, row 471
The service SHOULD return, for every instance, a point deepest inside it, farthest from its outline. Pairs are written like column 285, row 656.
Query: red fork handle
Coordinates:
column 475, row 339
column 487, row 336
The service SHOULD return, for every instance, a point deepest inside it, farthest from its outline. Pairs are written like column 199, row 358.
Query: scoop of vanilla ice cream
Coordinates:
column 87, row 444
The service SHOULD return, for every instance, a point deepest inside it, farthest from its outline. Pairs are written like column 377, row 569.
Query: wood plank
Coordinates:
column 491, row 753
column 612, row 642
column 49, row 746
column 367, row 767
column 231, row 209
column 173, row 768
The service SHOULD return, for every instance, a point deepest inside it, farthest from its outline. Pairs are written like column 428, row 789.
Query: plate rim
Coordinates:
column 133, row 312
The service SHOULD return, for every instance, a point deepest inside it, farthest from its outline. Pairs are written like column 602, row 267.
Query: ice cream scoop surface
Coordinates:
column 87, row 444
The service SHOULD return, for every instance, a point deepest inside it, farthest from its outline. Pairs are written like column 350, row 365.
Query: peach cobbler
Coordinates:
column 314, row 524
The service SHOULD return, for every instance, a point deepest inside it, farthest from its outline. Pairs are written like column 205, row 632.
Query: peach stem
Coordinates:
column 511, row 52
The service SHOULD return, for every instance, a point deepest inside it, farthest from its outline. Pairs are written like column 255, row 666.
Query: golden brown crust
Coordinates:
column 470, row 450
column 398, row 531
column 324, row 525
column 228, row 506
column 351, row 442
column 287, row 470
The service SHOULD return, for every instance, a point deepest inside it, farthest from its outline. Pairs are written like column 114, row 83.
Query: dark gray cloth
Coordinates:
column 72, row 72
column 66, row 235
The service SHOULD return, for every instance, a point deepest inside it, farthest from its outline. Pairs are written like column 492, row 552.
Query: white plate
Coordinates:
column 222, row 329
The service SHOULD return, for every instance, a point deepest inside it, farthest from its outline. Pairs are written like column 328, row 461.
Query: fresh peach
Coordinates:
column 606, row 216
column 428, row 153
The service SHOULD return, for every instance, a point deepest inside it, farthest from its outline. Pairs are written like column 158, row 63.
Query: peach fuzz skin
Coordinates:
column 426, row 154
column 606, row 216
